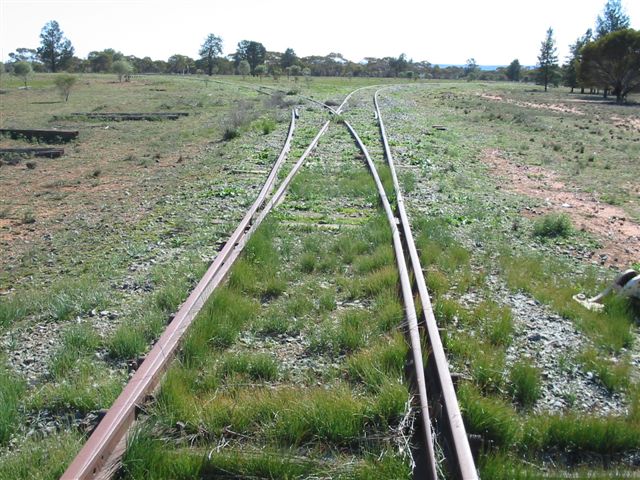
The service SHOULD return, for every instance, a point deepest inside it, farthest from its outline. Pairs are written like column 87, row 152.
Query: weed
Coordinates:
column 257, row 367
column 389, row 313
column 570, row 433
column 217, row 325
column 28, row 217
column 265, row 125
column 308, row 263
column 383, row 256
column 487, row 368
column 553, row 225
column 327, row 302
column 89, row 388
column 613, row 375
column 489, row 416
column 380, row 281
column 78, row 342
column 379, row 364
column 11, row 391
column 42, row 458
column 128, row 342
column 524, row 382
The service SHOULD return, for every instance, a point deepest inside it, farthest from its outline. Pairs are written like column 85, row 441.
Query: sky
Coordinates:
column 493, row 32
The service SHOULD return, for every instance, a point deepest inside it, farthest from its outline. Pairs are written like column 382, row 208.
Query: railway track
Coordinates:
column 443, row 446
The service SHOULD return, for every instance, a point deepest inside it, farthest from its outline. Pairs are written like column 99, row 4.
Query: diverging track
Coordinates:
column 295, row 366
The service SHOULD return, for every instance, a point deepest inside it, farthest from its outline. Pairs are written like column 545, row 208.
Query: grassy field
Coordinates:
column 100, row 246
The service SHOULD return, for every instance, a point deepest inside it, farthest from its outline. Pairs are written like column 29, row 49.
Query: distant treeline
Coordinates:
column 274, row 64
column 605, row 59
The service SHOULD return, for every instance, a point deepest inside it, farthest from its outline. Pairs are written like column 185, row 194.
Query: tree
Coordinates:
column 55, row 50
column 102, row 62
column 571, row 70
column 64, row 83
column 471, row 69
column 22, row 69
column 261, row 70
column 613, row 19
column 24, row 55
column 288, row 58
column 211, row 48
column 295, row 71
column 399, row 64
column 513, row 71
column 180, row 64
column 275, row 72
column 613, row 61
column 252, row 52
column 122, row 68
column 547, row 60
column 244, row 68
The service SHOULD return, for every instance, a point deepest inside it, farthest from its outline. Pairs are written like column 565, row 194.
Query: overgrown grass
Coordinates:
column 146, row 323
column 150, row 457
column 525, row 383
column 68, row 298
column 41, row 458
column 78, row 342
column 11, row 391
column 555, row 283
column 218, row 325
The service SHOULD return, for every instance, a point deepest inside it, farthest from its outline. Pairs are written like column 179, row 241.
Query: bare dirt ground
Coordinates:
column 556, row 107
column 619, row 236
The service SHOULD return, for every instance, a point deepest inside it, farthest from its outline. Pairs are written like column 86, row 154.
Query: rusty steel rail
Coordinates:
column 410, row 310
column 99, row 455
column 457, row 438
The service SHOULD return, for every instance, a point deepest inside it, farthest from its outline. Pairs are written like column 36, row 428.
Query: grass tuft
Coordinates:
column 553, row 225
column 524, row 382
column 11, row 391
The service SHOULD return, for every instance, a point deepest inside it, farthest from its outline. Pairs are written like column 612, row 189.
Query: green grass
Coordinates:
column 490, row 417
column 150, row 457
column 85, row 388
column 41, row 458
column 127, row 342
column 11, row 391
column 68, row 298
column 524, row 383
column 553, row 225
column 255, row 367
column 379, row 364
column 78, row 342
column 218, row 325
column 614, row 375
column 555, row 283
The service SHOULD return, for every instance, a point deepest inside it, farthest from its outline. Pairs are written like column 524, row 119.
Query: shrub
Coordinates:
column 64, row 83
column 553, row 225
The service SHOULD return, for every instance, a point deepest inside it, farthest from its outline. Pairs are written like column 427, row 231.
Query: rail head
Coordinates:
column 96, row 454
column 464, row 459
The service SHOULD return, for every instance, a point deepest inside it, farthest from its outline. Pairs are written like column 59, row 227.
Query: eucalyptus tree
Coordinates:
column 253, row 52
column 613, row 61
column 513, row 71
column 22, row 70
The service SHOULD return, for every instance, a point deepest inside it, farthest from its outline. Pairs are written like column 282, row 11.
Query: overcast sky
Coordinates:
column 494, row 32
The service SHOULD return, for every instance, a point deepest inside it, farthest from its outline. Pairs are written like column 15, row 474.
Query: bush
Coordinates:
column 553, row 225
column 64, row 83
